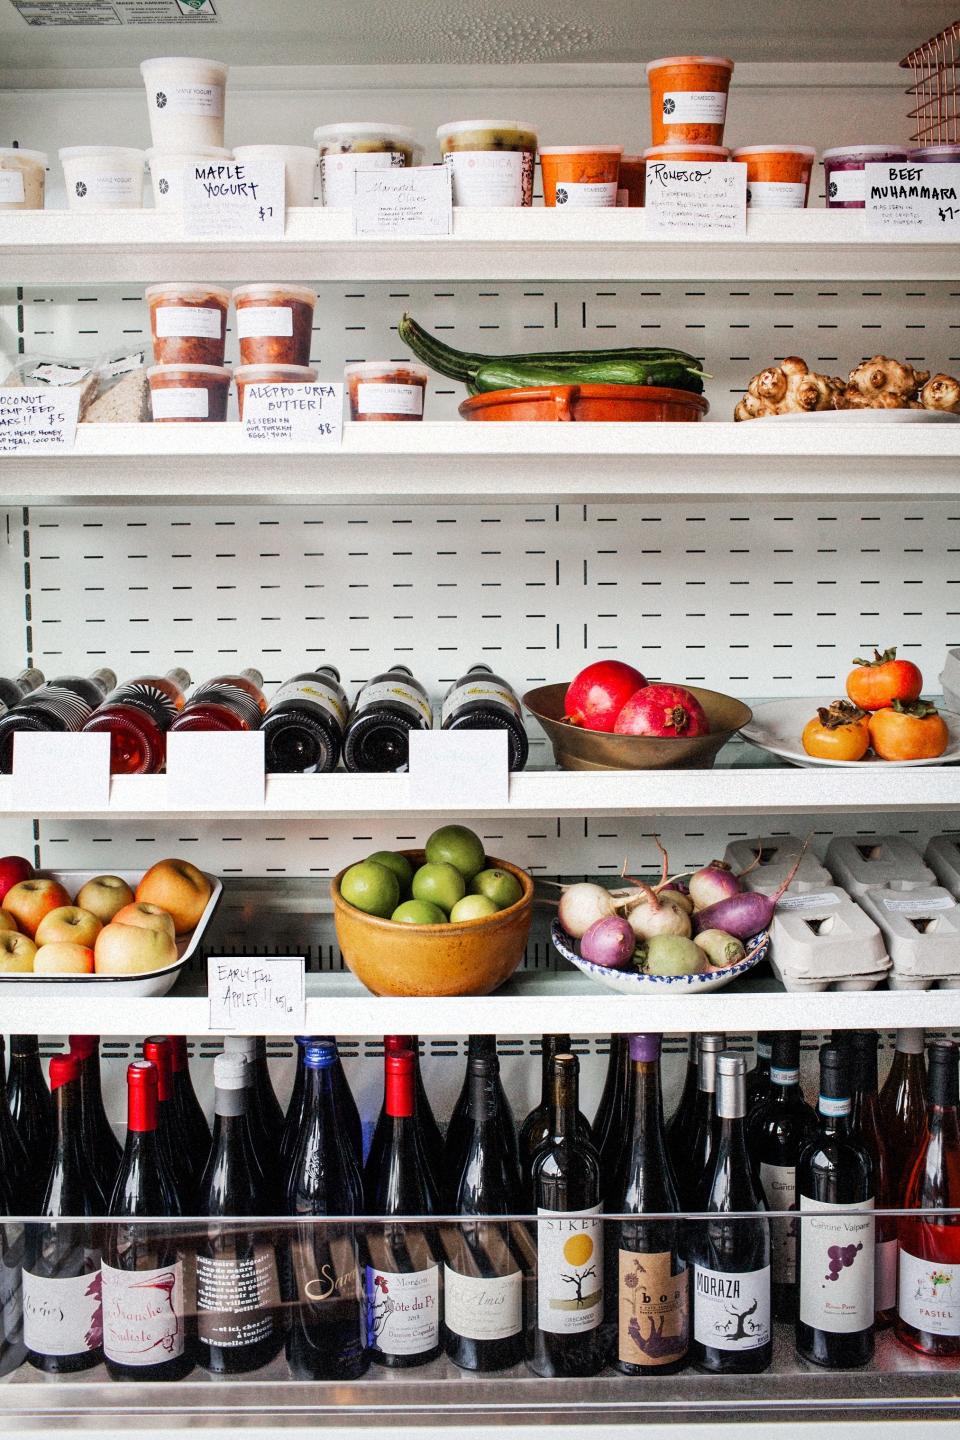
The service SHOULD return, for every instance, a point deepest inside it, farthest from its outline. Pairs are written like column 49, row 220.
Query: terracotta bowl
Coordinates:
column 471, row 957
column 586, row 402
column 578, row 749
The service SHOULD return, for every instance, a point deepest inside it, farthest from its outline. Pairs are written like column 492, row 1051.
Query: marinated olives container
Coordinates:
column 490, row 162
column 274, row 323
column 188, row 323
column 22, row 179
column 271, row 375
column 189, row 392
column 580, row 176
column 688, row 98
column 843, row 169
column 185, row 101
column 167, row 167
column 300, row 168
column 103, row 177
column 383, row 390
column 778, row 176
column 361, row 145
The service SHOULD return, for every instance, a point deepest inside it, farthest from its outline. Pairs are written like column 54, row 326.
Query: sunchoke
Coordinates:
column 941, row 392
column 880, row 384
column 785, row 388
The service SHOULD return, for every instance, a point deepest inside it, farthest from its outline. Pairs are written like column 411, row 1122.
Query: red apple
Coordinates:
column 663, row 711
column 13, row 869
column 30, row 900
column 596, row 696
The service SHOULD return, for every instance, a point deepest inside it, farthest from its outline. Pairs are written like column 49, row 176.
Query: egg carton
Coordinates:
column 950, row 680
column 778, row 854
column 822, row 935
column 863, row 863
column 943, row 857
column 869, row 980
column 921, row 930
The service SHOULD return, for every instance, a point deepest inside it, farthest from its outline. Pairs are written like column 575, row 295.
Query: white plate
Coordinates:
column 154, row 982
column 778, row 725
column 631, row 982
column 867, row 417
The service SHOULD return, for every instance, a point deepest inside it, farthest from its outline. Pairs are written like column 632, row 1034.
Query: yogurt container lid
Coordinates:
column 245, row 374
column 40, row 156
column 265, row 290
column 690, row 60
column 174, row 152
column 807, row 150
column 458, row 127
column 215, row 372
column 188, row 64
column 852, row 151
column 345, row 128
column 187, row 290
column 677, row 145
column 581, row 149
column 112, row 152
column 277, row 150
column 384, row 367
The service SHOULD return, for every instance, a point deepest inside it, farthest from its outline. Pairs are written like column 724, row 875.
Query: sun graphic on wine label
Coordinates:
column 578, row 1249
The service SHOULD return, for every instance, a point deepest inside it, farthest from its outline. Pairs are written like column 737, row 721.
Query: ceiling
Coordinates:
column 410, row 32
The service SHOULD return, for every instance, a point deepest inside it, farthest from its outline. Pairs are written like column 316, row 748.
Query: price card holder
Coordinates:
column 253, row 994
column 61, row 772
column 294, row 414
column 920, row 202
column 234, row 200
column 216, row 771
column 36, row 421
column 404, row 203
column 688, row 201
column 459, row 769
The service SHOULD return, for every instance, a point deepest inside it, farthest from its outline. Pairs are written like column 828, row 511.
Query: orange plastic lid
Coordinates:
column 690, row 60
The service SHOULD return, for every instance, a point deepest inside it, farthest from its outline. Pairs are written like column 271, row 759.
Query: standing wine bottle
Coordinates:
column 777, row 1132
column 565, row 1336
column 31, row 1106
column 402, row 1273
column 536, row 1128
column 835, row 1258
column 866, row 1128
column 137, row 716
column 304, row 723
column 227, row 702
column 296, row 1105
column 12, row 1349
column 608, row 1128
column 239, row 1318
column 63, row 704
column 483, row 1274
column 480, row 700
column 323, row 1287
column 431, row 1141
column 758, row 1079
column 144, row 1326
column 731, row 1253
column 177, row 1163
column 265, row 1115
column 386, row 709
column 101, row 1147
column 682, row 1122
column 928, row 1304
column 457, row 1139
column 62, row 1313
column 693, row 1171
column 25, row 1180
column 903, row 1102
column 191, row 1121
column 13, row 690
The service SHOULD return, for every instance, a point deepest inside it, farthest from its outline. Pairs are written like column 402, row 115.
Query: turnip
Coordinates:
column 671, row 955
column 650, row 914
column 720, row 948
column 609, row 942
column 582, row 905
column 747, row 913
column 713, row 883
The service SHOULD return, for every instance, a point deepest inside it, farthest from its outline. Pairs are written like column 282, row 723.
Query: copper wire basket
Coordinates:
column 936, row 87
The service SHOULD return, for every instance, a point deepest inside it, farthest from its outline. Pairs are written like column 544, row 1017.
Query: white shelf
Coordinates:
column 496, row 462
column 64, row 247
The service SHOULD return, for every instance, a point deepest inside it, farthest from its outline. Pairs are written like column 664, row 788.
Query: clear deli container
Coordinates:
column 385, row 390
column 103, row 177
column 843, row 169
column 490, row 161
column 778, row 176
column 300, row 167
column 271, row 375
column 188, row 323
column 22, row 179
column 688, row 98
column 167, row 167
column 350, row 146
column 936, row 154
column 274, row 323
column 185, row 101
column 580, row 176
column 189, row 392
column 632, row 181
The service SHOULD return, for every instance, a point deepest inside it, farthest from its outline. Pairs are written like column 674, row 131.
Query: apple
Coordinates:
column 63, row 957
column 132, row 950
column 148, row 917
column 13, row 869
column 68, row 925
column 29, row 900
column 103, row 896
column 16, row 952
column 7, row 921
column 180, row 888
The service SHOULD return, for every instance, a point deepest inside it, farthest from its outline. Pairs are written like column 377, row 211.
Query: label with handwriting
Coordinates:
column 415, row 201
column 687, row 200
column 234, row 200
column 248, row 992
column 906, row 201
column 300, row 414
column 37, row 421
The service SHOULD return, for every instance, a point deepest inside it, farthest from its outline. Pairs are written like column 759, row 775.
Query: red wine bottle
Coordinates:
column 386, row 709
column 323, row 1286
column 265, row 1116
column 431, row 1141
column 928, row 1304
column 694, row 1170
column 402, row 1273
column 682, row 1122
column 239, row 1316
column 565, row 1336
column 459, row 1130
column 646, row 1286
column 177, row 1163
column 101, row 1147
column 14, row 688
column 835, row 1260
column 30, row 1105
column 191, row 1121
column 483, row 1274
column 903, row 1102
column 758, row 1079
column 304, row 723
column 144, row 1325
column 481, row 700
column 867, row 1128
column 535, row 1130
column 609, row 1123
column 732, row 1332
column 777, row 1131
column 25, row 1181
column 12, row 1349
column 62, row 1312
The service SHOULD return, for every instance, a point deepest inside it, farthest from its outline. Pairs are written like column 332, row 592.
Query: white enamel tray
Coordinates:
column 778, row 725
column 867, row 417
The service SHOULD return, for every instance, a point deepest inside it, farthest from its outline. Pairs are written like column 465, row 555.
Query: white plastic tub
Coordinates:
column 103, row 177
column 22, row 179
column 167, row 167
column 300, row 166
column 185, row 101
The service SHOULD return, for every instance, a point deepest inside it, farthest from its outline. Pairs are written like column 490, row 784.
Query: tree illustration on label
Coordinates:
column 840, row 1257
column 577, row 1250
column 94, row 1291
column 739, row 1326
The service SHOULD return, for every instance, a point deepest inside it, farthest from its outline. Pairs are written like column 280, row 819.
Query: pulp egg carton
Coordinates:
column 778, row 854
column 861, row 863
column 821, row 940
column 950, row 680
column 921, row 930
column 943, row 857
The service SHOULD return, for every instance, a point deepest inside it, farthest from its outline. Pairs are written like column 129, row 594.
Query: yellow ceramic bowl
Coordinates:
column 471, row 957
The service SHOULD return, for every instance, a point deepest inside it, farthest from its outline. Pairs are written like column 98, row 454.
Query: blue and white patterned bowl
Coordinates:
column 630, row 982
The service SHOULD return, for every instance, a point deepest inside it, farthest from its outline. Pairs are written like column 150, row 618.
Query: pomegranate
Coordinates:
column 596, row 696
column 664, row 711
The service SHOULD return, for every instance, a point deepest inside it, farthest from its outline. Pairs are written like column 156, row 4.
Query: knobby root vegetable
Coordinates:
column 582, row 905
column 714, row 882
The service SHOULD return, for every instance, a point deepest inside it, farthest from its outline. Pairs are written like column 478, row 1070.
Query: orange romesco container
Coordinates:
column 580, row 175
column 778, row 176
column 632, row 181
column 688, row 98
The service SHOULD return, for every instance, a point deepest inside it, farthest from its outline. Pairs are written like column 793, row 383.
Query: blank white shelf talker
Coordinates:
column 860, row 863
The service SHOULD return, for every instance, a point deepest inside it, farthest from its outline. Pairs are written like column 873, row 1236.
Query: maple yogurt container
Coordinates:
column 844, row 173
column 300, row 168
column 185, row 101
column 103, row 177
column 189, row 392
column 778, row 176
column 580, row 176
column 688, row 98
column 490, row 162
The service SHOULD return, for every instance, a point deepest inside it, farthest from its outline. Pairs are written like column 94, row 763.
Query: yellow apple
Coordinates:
column 63, row 957
column 133, row 949
column 148, row 917
column 16, row 952
column 180, row 888
column 103, row 896
column 7, row 921
column 69, row 925
column 29, row 901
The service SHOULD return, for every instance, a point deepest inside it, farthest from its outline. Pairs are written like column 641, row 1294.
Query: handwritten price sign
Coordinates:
column 230, row 200
column 912, row 202
column 688, row 201
column 256, row 994
column 40, row 420
column 294, row 414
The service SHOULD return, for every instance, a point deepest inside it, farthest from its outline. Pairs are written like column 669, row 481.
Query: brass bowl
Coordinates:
column 469, row 957
column 577, row 749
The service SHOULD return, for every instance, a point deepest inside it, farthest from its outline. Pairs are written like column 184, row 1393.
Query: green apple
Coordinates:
column 499, row 886
column 372, row 888
column 473, row 907
column 419, row 912
column 458, row 846
column 399, row 864
column 440, row 883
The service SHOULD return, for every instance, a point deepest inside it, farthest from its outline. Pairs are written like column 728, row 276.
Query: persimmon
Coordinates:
column 875, row 684
column 908, row 731
column 837, row 732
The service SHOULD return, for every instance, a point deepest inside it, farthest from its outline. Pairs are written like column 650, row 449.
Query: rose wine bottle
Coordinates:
column 430, row 1139
column 323, row 1284
column 239, row 1316
column 480, row 700
column 144, row 1325
column 62, row 1313
column 63, row 704
column 903, row 1102
column 304, row 724
column 535, row 1130
column 565, row 1336
column 101, row 1147
column 457, row 1139
column 191, row 1121
column 693, row 1172
column 646, row 1285
column 483, row 1273
column 386, row 709
column 13, row 690
column 928, row 1304
column 758, row 1079
column 835, row 1260
column 227, row 702
column 867, row 1128
column 683, row 1121
column 177, row 1162
column 31, row 1106
column 609, row 1124
column 137, row 716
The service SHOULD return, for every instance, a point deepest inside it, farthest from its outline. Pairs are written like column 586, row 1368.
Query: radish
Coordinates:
column 582, row 905
column 609, row 942
column 720, row 948
column 672, row 955
column 596, row 696
column 664, row 712
column 748, row 912
column 650, row 914
column 714, row 882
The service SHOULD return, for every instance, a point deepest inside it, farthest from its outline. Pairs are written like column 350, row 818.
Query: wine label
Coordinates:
column 338, row 186
column 65, row 704
column 653, row 1309
column 237, row 1300
column 490, row 177
column 394, row 692
column 180, row 402
column 586, row 195
column 333, row 1274
column 11, row 1293
column 780, row 1187
column 885, row 1276
column 694, row 107
column 847, row 187
column 143, row 1314
column 389, row 399
column 317, row 693
column 482, row 1308
column 731, row 1308
column 403, row 1310
column 776, row 195
column 62, row 1316
column 929, row 1294
column 260, row 320
column 836, row 1266
column 569, row 1271
column 477, row 690
column 184, row 320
